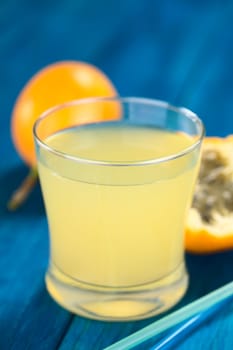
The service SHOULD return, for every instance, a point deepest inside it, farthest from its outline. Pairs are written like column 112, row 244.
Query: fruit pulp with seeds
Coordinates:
column 118, row 223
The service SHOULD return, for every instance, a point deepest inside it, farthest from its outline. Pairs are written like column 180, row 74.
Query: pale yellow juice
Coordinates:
column 117, row 226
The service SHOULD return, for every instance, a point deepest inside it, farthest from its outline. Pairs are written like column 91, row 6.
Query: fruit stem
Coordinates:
column 22, row 193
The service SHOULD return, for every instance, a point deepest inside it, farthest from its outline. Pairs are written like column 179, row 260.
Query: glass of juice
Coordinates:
column 117, row 177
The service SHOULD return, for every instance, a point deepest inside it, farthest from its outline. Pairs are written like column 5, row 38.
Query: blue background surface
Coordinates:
column 179, row 51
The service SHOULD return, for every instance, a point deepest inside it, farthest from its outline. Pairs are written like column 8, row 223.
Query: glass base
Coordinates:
column 117, row 304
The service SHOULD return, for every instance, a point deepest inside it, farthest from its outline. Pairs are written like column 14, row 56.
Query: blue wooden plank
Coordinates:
column 29, row 318
column 84, row 334
column 41, row 325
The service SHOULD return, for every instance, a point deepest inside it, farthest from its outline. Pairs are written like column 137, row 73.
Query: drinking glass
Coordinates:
column 117, row 176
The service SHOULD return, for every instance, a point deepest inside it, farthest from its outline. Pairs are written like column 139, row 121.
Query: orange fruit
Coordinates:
column 209, row 226
column 53, row 85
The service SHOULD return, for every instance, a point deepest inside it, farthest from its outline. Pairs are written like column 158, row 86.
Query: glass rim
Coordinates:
column 140, row 100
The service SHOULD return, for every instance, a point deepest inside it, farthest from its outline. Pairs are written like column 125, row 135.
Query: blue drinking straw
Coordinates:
column 176, row 335
column 195, row 313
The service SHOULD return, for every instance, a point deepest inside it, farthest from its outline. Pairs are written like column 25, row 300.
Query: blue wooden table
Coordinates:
column 180, row 51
